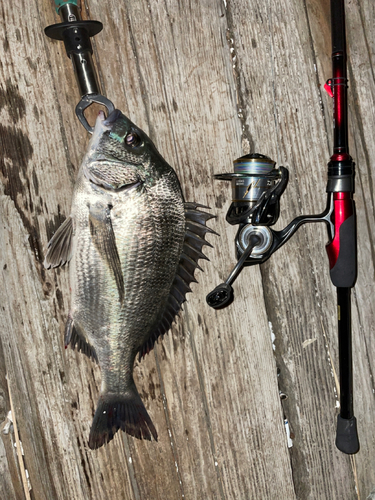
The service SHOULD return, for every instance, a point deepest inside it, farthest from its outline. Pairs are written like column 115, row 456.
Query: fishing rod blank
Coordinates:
column 342, row 250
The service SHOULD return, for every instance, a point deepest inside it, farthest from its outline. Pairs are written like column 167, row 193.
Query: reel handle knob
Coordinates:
column 221, row 296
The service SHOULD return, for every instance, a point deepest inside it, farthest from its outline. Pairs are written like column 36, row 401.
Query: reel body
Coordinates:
column 256, row 190
column 257, row 186
column 254, row 179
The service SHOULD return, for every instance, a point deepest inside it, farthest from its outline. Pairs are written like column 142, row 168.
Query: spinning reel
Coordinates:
column 257, row 186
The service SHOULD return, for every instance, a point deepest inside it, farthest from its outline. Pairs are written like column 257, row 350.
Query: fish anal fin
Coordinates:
column 105, row 242
column 76, row 339
column 196, row 230
column 59, row 250
column 121, row 411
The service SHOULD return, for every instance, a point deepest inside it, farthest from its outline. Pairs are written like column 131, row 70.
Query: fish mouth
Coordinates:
column 110, row 120
column 102, row 124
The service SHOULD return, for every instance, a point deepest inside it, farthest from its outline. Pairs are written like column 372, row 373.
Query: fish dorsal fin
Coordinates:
column 76, row 339
column 59, row 250
column 195, row 232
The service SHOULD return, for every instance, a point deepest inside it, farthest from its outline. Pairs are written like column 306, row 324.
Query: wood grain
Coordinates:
column 208, row 81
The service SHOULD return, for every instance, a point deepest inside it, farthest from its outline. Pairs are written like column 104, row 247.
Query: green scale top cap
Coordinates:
column 60, row 3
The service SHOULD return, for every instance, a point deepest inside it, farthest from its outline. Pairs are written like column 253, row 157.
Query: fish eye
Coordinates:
column 132, row 139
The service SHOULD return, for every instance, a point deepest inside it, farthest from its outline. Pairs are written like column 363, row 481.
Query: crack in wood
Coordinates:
column 130, row 466
column 315, row 62
column 273, row 77
column 169, row 425
column 18, row 443
column 205, row 403
column 247, row 140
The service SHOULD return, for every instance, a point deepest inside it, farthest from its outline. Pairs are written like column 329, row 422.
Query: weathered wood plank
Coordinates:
column 208, row 81
column 291, row 280
column 171, row 81
column 11, row 483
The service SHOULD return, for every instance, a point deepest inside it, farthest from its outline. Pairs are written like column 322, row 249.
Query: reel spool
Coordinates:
column 253, row 178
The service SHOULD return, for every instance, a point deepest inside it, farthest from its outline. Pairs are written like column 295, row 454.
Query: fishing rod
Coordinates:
column 257, row 186
column 76, row 35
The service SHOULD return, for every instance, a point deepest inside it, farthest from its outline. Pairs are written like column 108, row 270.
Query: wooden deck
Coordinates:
column 209, row 81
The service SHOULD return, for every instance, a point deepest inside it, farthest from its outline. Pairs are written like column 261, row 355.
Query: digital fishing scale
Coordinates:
column 257, row 186
column 76, row 35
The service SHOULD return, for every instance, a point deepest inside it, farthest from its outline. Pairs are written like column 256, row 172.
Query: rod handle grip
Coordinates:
column 346, row 435
column 343, row 262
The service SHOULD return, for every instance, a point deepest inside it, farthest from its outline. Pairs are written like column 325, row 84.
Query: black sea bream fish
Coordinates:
column 134, row 245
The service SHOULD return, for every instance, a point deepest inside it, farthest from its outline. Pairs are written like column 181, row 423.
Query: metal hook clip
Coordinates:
column 85, row 102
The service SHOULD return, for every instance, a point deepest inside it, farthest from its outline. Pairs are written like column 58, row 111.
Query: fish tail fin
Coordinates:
column 120, row 411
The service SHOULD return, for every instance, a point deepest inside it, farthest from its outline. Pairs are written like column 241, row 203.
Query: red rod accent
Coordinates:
column 343, row 209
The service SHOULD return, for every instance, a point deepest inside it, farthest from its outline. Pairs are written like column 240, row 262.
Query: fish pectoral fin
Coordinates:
column 59, row 250
column 121, row 411
column 104, row 240
column 75, row 338
column 112, row 175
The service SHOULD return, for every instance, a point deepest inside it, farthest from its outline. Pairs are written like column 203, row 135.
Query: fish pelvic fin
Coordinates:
column 120, row 411
column 104, row 239
column 75, row 338
column 194, row 241
column 59, row 250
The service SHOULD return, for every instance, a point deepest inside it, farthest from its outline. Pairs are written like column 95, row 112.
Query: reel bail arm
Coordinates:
column 76, row 35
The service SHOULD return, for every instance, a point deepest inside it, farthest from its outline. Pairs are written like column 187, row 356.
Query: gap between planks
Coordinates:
column 18, row 444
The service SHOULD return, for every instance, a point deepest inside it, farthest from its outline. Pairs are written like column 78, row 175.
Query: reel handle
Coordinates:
column 223, row 294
